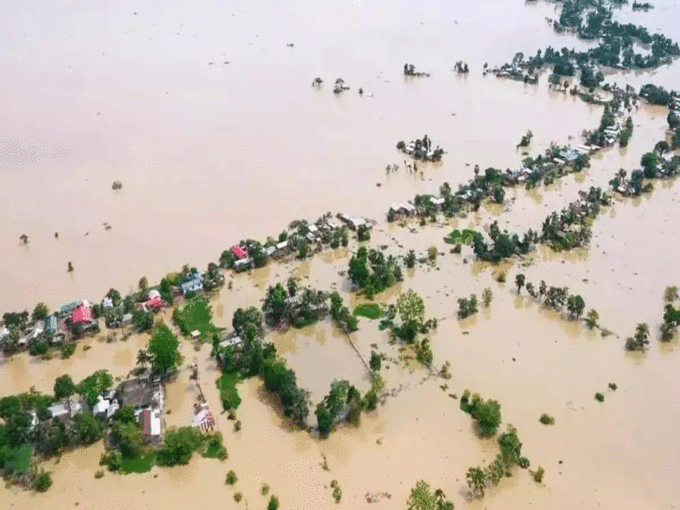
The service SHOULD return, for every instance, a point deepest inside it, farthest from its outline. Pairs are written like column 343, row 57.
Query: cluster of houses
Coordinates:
column 313, row 233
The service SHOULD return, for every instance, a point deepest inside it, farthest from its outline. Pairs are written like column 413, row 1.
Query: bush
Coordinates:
column 38, row 348
column 67, row 350
column 546, row 419
column 99, row 474
column 273, row 503
column 111, row 459
column 265, row 489
column 231, row 478
column 42, row 482
column 599, row 397
column 538, row 474
column 180, row 444
column 238, row 497
column 337, row 491
column 228, row 392
column 432, row 253
column 369, row 310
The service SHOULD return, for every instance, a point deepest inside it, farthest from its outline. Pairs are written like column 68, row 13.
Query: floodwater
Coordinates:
column 209, row 154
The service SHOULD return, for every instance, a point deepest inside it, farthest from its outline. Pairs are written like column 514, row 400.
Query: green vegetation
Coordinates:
column 42, row 481
column 238, row 497
column 273, row 503
column 196, row 315
column 328, row 410
column 486, row 412
column 265, row 489
column 671, row 320
column 341, row 314
column 67, row 350
column 231, row 478
column 456, row 237
column 423, row 498
column 599, row 397
column 179, row 445
column 487, row 296
column 424, row 352
column 228, row 391
column 139, row 463
column 538, row 474
column 213, row 448
column 372, row 272
column 164, row 350
column 369, row 310
column 411, row 310
column 279, row 379
column 546, row 419
column 592, row 318
column 467, row 307
column 640, row 341
column 375, row 362
column 337, row 491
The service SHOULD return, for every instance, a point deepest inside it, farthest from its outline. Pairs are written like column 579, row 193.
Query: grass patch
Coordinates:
column 139, row 464
column 19, row 459
column 369, row 310
column 196, row 315
column 228, row 392
column 460, row 237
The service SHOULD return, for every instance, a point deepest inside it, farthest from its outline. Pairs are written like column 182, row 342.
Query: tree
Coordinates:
column 143, row 357
column 273, row 503
column 488, row 415
column 575, row 306
column 274, row 306
column 114, row 296
column 143, row 284
column 487, row 296
column 640, row 340
column 128, row 437
column 649, row 161
column 142, row 321
column 179, row 445
column 40, row 311
column 375, row 361
column 411, row 309
column 592, row 318
column 64, row 388
column 520, row 279
column 125, row 414
column 10, row 343
column 358, row 270
column 87, row 428
column 410, row 259
column 164, row 350
column 422, row 498
column 324, row 419
column 476, row 481
column 94, row 385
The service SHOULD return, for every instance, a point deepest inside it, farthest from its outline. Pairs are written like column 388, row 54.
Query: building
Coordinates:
column 51, row 324
column 63, row 412
column 234, row 342
column 141, row 393
column 68, row 308
column 153, row 293
column 82, row 315
column 193, row 283
column 106, row 405
column 151, row 424
column 238, row 252
column 154, row 304
column 436, row 201
column 243, row 264
column 107, row 302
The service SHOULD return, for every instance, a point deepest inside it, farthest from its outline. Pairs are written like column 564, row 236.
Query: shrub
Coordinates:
column 487, row 296
column 265, row 489
column 538, row 474
column 599, row 397
column 432, row 253
column 238, row 497
column 546, row 419
column 42, row 482
column 67, row 350
column 111, row 459
column 612, row 386
column 99, row 474
column 337, row 492
column 273, row 503
column 231, row 478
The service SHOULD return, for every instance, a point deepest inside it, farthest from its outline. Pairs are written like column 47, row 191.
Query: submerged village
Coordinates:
column 377, row 301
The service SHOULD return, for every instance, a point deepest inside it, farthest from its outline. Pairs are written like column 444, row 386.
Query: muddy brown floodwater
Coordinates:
column 210, row 152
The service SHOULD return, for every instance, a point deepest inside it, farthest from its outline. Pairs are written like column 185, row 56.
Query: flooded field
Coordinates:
column 208, row 119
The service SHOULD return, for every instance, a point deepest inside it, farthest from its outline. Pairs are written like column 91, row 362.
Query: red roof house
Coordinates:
column 238, row 252
column 154, row 303
column 82, row 315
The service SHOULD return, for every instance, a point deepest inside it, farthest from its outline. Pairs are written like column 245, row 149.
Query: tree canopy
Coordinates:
column 164, row 350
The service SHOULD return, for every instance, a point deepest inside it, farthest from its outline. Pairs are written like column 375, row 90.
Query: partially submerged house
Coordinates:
column 192, row 283
column 238, row 252
column 243, row 264
column 82, row 317
column 64, row 411
column 152, row 425
column 141, row 393
column 106, row 405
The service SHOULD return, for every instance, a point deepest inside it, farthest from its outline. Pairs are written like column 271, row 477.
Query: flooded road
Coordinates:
column 208, row 119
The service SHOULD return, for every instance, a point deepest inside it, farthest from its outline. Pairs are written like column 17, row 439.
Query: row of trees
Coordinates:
column 556, row 298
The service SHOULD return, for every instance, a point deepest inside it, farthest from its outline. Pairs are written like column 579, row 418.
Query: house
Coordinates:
column 107, row 302
column 68, row 308
column 141, row 393
column 63, row 412
column 234, row 342
column 243, row 264
column 281, row 248
column 238, row 252
column 193, row 283
column 270, row 251
column 154, row 304
column 82, row 315
column 106, row 405
column 51, row 324
column 153, row 293
column 151, row 424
